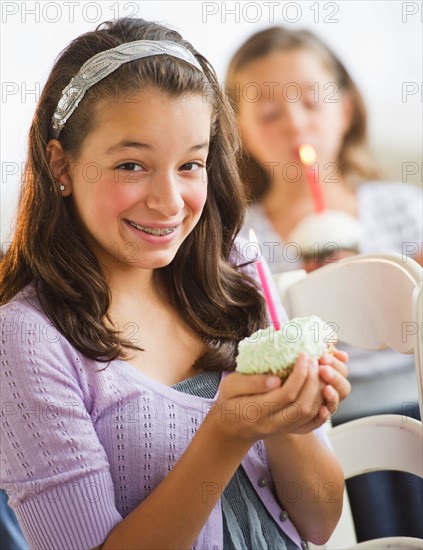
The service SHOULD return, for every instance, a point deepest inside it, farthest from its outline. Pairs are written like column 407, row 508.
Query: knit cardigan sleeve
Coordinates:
column 52, row 464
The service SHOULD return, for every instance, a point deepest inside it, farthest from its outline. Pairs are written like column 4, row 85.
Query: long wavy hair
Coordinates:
column 354, row 160
column 49, row 249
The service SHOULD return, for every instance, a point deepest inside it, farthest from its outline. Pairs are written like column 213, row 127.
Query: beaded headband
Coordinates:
column 102, row 64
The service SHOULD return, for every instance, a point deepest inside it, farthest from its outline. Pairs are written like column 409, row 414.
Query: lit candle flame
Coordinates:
column 307, row 154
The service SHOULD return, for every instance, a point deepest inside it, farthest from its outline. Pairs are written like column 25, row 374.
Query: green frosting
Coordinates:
column 270, row 351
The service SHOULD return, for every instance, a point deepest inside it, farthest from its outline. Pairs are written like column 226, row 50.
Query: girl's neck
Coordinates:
column 284, row 195
column 129, row 284
column 286, row 203
column 284, row 191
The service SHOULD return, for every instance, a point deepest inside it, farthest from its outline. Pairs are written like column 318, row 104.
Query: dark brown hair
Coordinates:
column 354, row 160
column 49, row 248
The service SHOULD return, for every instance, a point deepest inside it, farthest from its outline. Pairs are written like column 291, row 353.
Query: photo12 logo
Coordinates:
column 269, row 12
column 411, row 11
column 66, row 12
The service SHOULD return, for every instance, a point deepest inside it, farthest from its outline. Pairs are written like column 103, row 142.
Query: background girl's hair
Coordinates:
column 49, row 247
column 354, row 161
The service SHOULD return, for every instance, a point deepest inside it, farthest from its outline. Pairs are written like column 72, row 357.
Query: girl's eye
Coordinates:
column 191, row 166
column 269, row 115
column 310, row 105
column 130, row 167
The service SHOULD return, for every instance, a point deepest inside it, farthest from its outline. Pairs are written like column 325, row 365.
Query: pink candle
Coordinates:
column 271, row 306
column 308, row 156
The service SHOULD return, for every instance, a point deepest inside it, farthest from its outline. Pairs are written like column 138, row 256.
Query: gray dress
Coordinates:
column 246, row 523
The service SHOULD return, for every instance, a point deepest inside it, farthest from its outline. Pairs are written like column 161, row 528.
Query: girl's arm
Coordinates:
column 175, row 512
column 62, row 463
column 308, row 479
column 309, row 483
column 173, row 515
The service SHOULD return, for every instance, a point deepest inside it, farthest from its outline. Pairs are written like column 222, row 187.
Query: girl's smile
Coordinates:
column 157, row 234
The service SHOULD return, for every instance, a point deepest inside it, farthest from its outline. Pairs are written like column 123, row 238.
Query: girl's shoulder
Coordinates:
column 31, row 342
column 24, row 302
column 393, row 203
column 391, row 214
column 256, row 218
column 393, row 193
column 23, row 316
column 242, row 256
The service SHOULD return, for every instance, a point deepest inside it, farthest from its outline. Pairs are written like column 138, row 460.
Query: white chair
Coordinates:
column 375, row 302
column 375, row 443
column 394, row 543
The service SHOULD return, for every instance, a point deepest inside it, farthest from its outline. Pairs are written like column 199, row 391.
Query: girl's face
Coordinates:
column 139, row 184
column 289, row 98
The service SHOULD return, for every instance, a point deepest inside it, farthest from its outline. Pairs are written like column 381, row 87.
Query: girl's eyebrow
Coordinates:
column 127, row 144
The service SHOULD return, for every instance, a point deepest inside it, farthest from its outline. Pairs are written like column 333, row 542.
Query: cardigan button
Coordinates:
column 262, row 482
column 283, row 516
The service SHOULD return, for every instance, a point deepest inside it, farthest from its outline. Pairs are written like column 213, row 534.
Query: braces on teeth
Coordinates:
column 154, row 231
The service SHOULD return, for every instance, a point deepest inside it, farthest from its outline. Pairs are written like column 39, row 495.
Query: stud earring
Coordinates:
column 62, row 188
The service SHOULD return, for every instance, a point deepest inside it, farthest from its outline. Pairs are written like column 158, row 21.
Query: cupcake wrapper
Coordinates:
column 284, row 373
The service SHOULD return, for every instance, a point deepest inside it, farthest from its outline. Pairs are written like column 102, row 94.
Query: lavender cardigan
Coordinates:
column 82, row 446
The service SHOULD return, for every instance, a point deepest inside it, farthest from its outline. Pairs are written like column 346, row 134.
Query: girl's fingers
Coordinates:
column 331, row 397
column 309, row 398
column 337, row 364
column 329, row 393
column 341, row 355
column 335, row 379
column 326, row 412
column 237, row 384
column 296, row 380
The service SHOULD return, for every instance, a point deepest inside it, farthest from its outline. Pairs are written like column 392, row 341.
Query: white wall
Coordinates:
column 379, row 41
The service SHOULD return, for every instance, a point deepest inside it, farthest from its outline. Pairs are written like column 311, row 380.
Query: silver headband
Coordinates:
column 102, row 64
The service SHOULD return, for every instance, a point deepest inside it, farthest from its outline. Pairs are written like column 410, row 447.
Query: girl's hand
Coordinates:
column 253, row 407
column 333, row 371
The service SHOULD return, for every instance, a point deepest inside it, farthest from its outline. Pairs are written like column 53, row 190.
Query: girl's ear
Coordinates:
column 59, row 166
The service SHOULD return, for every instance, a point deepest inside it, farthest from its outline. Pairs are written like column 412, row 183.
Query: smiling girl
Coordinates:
column 124, row 297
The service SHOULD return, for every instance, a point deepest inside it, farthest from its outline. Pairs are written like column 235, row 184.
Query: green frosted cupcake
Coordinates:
column 274, row 352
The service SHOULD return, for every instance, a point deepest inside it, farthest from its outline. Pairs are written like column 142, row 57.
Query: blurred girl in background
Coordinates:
column 289, row 90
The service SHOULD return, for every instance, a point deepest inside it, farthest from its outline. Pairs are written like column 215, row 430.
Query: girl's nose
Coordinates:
column 164, row 195
column 293, row 120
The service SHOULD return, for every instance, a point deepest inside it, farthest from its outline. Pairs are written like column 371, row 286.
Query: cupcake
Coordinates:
column 274, row 352
column 327, row 236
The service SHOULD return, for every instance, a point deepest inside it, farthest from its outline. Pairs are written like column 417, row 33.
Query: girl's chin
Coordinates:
column 148, row 261
column 127, row 258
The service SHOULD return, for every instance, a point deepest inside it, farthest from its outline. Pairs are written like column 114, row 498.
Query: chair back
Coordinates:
column 372, row 302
